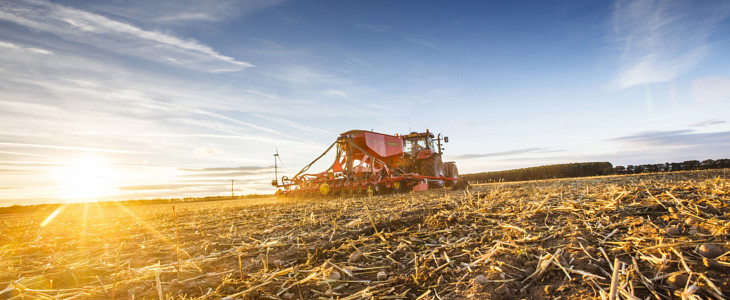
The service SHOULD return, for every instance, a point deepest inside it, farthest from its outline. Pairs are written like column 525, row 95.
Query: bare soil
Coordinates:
column 657, row 236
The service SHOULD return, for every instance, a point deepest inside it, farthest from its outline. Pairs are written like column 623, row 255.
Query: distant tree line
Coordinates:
column 545, row 172
column 687, row 165
column 593, row 169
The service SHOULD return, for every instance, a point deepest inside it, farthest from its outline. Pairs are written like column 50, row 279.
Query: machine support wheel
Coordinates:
column 398, row 187
column 324, row 188
column 371, row 190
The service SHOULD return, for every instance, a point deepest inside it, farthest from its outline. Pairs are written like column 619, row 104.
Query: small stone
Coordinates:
column 334, row 275
column 355, row 257
column 288, row 296
column 278, row 263
column 673, row 230
column 678, row 280
column 694, row 230
column 709, row 250
column 481, row 279
column 691, row 221
column 382, row 276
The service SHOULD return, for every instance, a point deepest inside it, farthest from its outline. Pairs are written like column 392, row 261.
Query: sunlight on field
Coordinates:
column 520, row 240
column 86, row 179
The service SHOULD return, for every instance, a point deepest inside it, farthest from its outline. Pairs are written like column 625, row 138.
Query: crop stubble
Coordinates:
column 659, row 236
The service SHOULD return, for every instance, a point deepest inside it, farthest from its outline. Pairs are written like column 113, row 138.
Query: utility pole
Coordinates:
column 276, row 170
column 231, row 188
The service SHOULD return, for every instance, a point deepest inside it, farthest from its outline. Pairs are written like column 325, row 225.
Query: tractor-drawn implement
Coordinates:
column 369, row 163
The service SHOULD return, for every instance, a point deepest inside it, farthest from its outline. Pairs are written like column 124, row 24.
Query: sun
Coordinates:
column 86, row 179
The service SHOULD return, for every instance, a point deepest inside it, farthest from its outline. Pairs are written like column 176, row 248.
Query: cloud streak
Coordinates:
column 662, row 40
column 92, row 29
column 682, row 138
column 708, row 123
column 231, row 169
column 87, row 149
column 503, row 153
column 175, row 186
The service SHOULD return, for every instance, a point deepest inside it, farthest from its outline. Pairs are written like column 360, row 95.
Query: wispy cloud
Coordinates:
column 205, row 150
column 503, row 153
column 228, row 175
column 99, row 31
column 228, row 169
column 373, row 27
column 661, row 40
column 172, row 186
column 182, row 12
column 681, row 138
column 12, row 46
column 86, row 149
column 225, row 172
column 425, row 43
column 708, row 123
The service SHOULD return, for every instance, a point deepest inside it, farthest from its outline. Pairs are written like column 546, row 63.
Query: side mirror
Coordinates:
column 446, row 139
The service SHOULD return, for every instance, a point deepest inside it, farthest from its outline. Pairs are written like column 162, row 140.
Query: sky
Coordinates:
column 112, row 100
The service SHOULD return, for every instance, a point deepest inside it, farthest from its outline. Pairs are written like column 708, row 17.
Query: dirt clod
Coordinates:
column 334, row 275
column 355, row 257
column 677, row 280
column 709, row 250
column 481, row 279
column 672, row 230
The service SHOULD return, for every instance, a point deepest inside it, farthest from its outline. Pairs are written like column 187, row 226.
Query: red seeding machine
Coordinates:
column 370, row 163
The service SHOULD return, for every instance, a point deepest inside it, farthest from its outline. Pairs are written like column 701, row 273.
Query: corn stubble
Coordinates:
column 657, row 236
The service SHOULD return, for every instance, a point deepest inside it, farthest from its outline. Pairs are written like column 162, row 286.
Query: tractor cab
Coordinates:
column 414, row 143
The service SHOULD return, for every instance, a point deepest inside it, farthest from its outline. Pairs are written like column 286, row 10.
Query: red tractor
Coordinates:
column 368, row 162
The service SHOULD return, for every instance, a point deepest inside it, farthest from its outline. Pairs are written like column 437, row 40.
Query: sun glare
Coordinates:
column 86, row 179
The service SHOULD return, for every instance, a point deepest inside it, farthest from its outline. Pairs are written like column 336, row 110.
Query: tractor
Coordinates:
column 368, row 162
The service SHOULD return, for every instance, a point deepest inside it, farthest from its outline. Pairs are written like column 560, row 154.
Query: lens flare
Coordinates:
column 86, row 179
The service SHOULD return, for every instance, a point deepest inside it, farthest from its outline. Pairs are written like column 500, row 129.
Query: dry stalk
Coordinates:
column 614, row 280
column 116, row 270
column 177, row 242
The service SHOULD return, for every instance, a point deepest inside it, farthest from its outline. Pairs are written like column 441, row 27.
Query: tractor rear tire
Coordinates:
column 451, row 172
column 432, row 166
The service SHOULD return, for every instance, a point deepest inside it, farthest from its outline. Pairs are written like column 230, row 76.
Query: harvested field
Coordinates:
column 657, row 236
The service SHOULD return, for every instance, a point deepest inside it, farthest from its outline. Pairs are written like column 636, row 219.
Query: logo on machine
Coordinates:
column 383, row 142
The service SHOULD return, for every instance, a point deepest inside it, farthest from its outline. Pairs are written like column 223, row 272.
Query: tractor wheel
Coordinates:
column 432, row 166
column 451, row 172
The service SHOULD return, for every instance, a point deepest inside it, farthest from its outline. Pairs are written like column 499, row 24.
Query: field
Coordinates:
column 656, row 236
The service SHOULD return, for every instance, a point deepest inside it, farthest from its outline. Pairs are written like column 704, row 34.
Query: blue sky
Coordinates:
column 136, row 99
